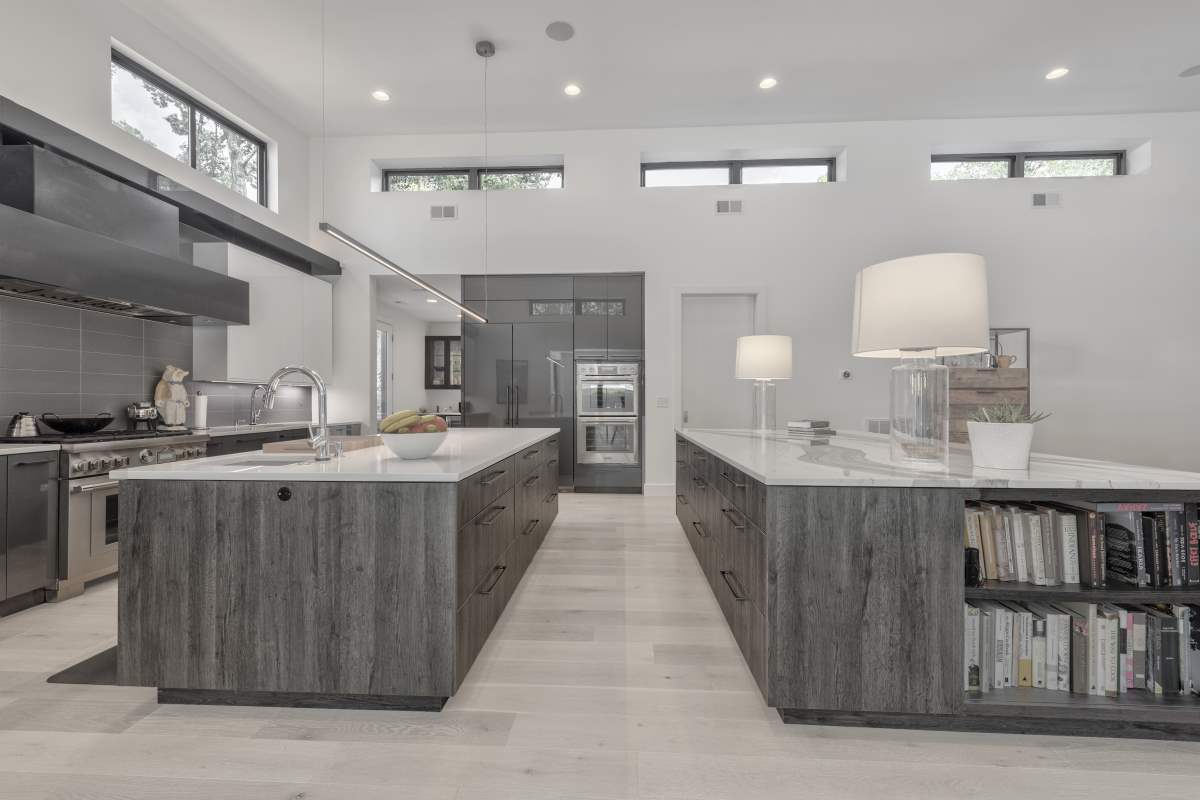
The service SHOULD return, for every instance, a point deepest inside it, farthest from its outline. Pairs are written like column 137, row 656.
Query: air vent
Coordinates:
column 443, row 212
column 729, row 207
column 1047, row 199
column 878, row 425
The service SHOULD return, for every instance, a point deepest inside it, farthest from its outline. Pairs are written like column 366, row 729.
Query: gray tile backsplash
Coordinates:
column 72, row 361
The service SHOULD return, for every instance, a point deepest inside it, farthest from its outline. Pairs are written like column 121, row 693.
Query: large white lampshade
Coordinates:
column 936, row 302
column 764, row 358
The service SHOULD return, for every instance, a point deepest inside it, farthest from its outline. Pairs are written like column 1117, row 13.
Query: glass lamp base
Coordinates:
column 764, row 407
column 920, row 412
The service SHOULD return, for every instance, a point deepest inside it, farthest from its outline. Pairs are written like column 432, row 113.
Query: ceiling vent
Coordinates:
column 729, row 207
column 443, row 212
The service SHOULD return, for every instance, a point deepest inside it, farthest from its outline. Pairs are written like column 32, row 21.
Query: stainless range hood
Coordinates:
column 72, row 236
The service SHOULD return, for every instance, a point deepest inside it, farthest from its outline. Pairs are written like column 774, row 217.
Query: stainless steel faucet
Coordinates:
column 256, row 411
column 319, row 439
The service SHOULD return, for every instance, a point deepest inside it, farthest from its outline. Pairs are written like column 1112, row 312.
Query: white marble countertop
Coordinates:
column 863, row 459
column 217, row 431
column 17, row 449
column 464, row 452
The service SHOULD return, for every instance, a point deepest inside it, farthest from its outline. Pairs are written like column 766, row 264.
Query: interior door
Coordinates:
column 543, row 371
column 488, row 381
column 712, row 396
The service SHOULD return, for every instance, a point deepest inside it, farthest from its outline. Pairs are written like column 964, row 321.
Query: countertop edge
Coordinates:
column 18, row 449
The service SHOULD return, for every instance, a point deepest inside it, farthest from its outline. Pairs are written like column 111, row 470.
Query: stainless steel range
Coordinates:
column 87, row 504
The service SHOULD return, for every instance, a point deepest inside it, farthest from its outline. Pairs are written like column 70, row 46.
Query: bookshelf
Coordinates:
column 850, row 608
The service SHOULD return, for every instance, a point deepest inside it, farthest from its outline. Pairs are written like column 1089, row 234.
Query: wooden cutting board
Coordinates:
column 301, row 445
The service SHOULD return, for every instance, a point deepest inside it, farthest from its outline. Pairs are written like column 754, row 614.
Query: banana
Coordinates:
column 387, row 421
column 400, row 424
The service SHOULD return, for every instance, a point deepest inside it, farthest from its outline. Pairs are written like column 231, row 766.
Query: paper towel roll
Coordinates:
column 200, row 411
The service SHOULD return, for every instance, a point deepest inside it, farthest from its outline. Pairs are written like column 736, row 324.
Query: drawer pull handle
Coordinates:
column 497, row 573
column 700, row 484
column 550, row 498
column 735, row 586
column 700, row 458
column 531, row 527
column 495, row 515
column 489, row 479
column 731, row 515
column 700, row 530
column 683, row 500
column 680, row 462
column 531, row 480
column 531, row 453
column 736, row 485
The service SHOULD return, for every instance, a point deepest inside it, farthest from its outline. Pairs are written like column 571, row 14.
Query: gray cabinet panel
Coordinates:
column 625, row 330
column 487, row 375
column 3, row 532
column 31, row 521
column 591, row 331
column 517, row 287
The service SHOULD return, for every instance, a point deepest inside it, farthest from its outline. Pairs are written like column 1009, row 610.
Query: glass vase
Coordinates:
column 920, row 411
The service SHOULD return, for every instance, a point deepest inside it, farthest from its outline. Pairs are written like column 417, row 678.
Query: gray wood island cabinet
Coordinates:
column 841, row 576
column 366, row 582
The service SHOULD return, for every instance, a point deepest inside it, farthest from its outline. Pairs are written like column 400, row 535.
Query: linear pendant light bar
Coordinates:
column 353, row 243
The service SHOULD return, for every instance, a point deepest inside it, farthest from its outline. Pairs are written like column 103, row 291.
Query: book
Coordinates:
column 1089, row 524
column 1123, row 536
column 1183, row 615
column 1162, row 652
column 807, row 424
column 1157, row 556
column 1054, row 575
column 1193, row 673
column 1022, row 644
column 1137, row 628
column 1109, row 657
column 1080, row 678
column 1177, row 545
column 972, row 673
column 1039, row 643
column 1002, row 535
column 1015, row 522
column 1067, row 536
column 1032, row 525
column 1193, row 545
column 987, row 648
column 987, row 538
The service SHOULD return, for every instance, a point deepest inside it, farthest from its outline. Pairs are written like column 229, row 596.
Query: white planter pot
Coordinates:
column 1000, row 445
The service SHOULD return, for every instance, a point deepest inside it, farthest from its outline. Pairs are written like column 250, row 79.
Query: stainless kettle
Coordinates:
column 22, row 425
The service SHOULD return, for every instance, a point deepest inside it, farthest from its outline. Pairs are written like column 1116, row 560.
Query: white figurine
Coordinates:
column 171, row 399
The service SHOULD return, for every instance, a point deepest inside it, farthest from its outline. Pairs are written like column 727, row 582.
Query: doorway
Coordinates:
column 711, row 397
column 384, row 337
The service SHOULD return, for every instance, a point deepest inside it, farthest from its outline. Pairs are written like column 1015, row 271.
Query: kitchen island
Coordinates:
column 363, row 582
column 841, row 576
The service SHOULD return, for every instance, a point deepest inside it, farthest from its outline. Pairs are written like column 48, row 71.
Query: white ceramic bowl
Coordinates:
column 413, row 445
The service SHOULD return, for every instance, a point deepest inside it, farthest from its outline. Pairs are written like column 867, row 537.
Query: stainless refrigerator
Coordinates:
column 522, row 375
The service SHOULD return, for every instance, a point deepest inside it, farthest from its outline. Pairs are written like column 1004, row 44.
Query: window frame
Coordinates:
column 1016, row 161
column 474, row 175
column 735, row 167
column 197, row 108
column 430, row 369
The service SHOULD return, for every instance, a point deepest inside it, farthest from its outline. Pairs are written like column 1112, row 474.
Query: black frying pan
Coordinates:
column 77, row 425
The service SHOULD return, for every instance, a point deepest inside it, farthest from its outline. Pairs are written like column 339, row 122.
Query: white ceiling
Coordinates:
column 667, row 63
column 402, row 295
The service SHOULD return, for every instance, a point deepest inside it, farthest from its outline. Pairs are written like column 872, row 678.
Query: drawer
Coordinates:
column 745, row 552
column 481, row 542
column 478, row 615
column 681, row 448
column 683, row 476
column 700, row 461
column 531, row 459
column 986, row 397
column 746, row 622
column 731, row 482
column 975, row 378
column 483, row 487
column 549, row 504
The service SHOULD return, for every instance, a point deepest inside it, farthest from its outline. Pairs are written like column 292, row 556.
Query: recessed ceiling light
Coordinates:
column 1190, row 72
column 430, row 299
column 572, row 90
column 381, row 95
column 767, row 83
column 1056, row 73
column 560, row 31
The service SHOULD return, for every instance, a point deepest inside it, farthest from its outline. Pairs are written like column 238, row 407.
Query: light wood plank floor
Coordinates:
column 611, row 675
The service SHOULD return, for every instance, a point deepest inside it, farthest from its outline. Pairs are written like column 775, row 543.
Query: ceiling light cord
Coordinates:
column 324, row 131
column 483, row 186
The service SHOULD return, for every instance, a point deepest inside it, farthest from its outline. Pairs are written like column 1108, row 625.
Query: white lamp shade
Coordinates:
column 933, row 302
column 764, row 358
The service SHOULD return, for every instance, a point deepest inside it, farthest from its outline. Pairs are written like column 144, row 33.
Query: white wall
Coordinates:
column 1108, row 282
column 55, row 61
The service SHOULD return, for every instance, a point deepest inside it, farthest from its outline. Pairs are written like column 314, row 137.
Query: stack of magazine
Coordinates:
column 810, row 429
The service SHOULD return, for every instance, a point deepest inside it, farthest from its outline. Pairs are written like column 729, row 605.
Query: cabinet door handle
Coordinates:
column 96, row 487
column 683, row 500
column 497, row 573
column 32, row 463
column 700, row 530
column 551, row 462
column 531, row 527
column 700, row 457
column 735, row 484
column 492, row 477
column 700, row 484
column 491, row 520
column 731, row 515
column 531, row 480
column 550, row 498
column 531, row 453
column 680, row 462
column 735, row 586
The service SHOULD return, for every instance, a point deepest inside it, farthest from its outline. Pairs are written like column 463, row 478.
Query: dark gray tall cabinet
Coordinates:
column 28, row 522
column 519, row 367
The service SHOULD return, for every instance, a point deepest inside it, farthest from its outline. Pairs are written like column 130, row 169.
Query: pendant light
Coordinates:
column 355, row 244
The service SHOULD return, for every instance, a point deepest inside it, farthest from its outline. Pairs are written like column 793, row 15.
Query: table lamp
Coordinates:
column 918, row 309
column 764, row 360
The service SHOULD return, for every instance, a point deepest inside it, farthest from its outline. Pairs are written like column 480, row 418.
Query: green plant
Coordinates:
column 1007, row 413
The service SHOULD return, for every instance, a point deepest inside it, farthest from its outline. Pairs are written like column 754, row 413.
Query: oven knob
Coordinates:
column 106, row 463
column 77, row 466
column 146, row 456
column 91, row 465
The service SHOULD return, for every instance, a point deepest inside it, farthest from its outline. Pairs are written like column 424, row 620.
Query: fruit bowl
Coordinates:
column 413, row 445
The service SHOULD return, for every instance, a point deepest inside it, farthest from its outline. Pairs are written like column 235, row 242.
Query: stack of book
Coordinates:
column 810, row 429
column 1092, row 544
column 1084, row 648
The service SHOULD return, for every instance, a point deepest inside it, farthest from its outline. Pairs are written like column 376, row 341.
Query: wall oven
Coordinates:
column 607, row 440
column 607, row 389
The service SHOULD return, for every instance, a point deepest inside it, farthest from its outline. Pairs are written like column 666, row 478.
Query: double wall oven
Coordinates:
column 607, row 406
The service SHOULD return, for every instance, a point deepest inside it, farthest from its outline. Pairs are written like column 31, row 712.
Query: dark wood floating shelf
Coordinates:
column 1074, row 593
column 1135, row 713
